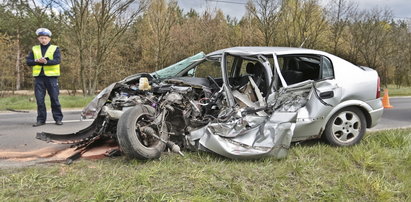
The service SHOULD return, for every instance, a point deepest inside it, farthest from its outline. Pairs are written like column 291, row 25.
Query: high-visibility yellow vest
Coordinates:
column 49, row 70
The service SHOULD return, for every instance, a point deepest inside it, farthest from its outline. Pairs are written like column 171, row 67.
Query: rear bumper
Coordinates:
column 377, row 111
column 375, row 116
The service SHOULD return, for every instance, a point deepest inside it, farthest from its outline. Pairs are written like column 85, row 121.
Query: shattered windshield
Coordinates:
column 176, row 68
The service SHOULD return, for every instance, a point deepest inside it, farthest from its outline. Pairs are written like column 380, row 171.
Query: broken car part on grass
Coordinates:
column 241, row 103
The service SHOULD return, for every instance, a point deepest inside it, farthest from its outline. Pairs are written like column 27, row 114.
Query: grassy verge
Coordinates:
column 29, row 102
column 402, row 91
column 378, row 169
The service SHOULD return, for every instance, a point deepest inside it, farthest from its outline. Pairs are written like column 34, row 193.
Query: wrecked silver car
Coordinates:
column 240, row 102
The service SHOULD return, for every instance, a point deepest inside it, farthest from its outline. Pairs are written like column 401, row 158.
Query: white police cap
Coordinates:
column 43, row 32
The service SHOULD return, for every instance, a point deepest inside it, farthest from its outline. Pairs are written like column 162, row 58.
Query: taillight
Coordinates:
column 378, row 88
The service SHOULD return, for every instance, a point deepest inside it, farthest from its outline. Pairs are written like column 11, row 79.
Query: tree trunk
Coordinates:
column 82, row 66
column 18, row 55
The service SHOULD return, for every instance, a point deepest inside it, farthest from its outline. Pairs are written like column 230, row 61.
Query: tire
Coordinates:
column 346, row 127
column 133, row 130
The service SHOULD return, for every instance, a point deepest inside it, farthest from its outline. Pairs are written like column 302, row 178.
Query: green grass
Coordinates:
column 378, row 169
column 25, row 102
column 402, row 91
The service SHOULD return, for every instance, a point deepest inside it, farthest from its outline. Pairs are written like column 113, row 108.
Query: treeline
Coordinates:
column 103, row 41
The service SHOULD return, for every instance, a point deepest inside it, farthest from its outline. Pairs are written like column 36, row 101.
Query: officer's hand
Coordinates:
column 42, row 60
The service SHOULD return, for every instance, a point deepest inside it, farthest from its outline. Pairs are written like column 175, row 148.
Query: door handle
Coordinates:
column 327, row 94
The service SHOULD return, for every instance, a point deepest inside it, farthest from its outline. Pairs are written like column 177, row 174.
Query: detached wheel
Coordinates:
column 134, row 130
column 346, row 127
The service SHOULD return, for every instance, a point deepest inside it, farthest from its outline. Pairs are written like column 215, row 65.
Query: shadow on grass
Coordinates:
column 308, row 143
column 209, row 156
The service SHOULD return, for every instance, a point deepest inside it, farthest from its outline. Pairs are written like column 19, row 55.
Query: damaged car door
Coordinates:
column 346, row 126
column 325, row 93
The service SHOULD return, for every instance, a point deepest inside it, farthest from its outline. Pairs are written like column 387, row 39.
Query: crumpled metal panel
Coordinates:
column 253, row 136
column 269, row 136
column 94, row 107
column 292, row 98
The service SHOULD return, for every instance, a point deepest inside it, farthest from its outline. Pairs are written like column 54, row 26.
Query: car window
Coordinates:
column 230, row 65
column 280, row 63
column 243, row 68
column 176, row 68
column 326, row 68
column 208, row 68
column 299, row 68
column 244, row 62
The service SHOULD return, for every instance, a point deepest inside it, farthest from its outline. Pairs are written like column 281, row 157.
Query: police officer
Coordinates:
column 45, row 61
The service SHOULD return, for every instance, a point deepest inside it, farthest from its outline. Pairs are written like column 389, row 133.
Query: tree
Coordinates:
column 78, row 12
column 6, row 52
column 303, row 23
column 15, row 24
column 370, row 32
column 213, row 31
column 159, row 21
column 400, row 60
column 110, row 19
column 339, row 15
column 266, row 13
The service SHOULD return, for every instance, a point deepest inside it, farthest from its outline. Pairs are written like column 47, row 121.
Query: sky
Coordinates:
column 236, row 8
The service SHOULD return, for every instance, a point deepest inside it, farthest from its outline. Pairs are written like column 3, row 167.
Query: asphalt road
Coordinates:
column 397, row 117
column 17, row 133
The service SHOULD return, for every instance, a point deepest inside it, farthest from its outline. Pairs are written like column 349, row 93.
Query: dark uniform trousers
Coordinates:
column 43, row 83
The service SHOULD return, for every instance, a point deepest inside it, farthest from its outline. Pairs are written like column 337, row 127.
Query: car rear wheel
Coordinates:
column 346, row 127
column 135, row 134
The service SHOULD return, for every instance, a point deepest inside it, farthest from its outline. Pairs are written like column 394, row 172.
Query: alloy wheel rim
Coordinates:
column 346, row 127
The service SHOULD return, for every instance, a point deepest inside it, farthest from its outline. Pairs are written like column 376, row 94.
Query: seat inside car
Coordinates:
column 292, row 74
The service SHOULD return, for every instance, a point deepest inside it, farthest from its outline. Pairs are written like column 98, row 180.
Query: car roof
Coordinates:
column 254, row 50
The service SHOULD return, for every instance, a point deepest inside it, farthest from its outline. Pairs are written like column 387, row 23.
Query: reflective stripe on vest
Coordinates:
column 49, row 70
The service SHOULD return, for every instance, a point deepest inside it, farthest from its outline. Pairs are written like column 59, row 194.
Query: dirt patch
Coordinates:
column 54, row 154
column 40, row 153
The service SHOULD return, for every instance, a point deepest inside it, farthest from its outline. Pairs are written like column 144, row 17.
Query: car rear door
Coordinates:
column 324, row 95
